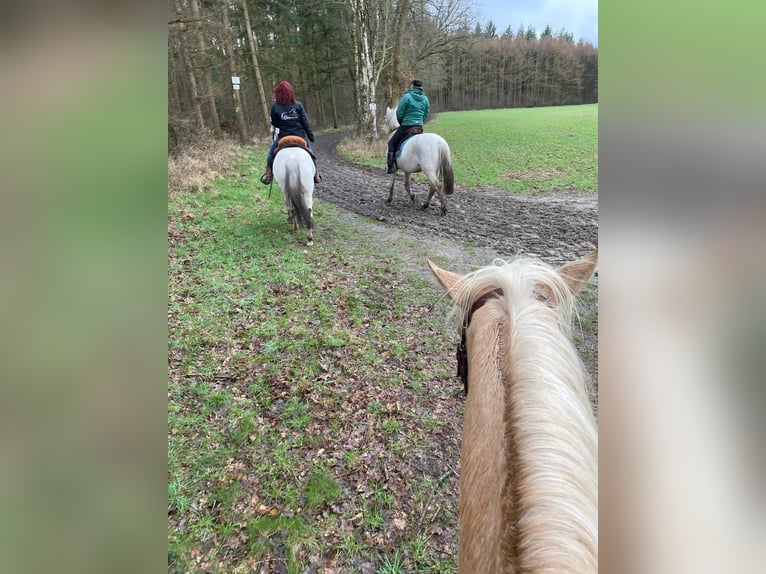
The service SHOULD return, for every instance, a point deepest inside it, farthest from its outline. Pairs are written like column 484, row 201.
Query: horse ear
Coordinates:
column 577, row 273
column 447, row 279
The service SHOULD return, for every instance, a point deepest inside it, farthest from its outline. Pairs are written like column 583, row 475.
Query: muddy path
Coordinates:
column 557, row 227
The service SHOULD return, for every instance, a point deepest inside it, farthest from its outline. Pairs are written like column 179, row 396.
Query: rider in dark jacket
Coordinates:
column 413, row 110
column 288, row 115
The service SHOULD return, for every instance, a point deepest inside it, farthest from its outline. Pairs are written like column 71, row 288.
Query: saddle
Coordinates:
column 413, row 131
column 293, row 141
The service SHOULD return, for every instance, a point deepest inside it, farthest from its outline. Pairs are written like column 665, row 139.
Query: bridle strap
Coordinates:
column 462, row 350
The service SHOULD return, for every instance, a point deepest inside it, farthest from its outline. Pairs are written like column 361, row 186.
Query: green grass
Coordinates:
column 522, row 150
column 392, row 564
column 542, row 149
column 289, row 389
column 311, row 390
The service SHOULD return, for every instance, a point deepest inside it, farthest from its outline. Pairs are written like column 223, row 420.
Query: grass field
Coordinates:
column 306, row 388
column 313, row 408
column 522, row 150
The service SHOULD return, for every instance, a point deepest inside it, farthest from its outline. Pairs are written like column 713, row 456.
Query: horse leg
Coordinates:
column 435, row 187
column 442, row 199
column 288, row 208
column 427, row 202
column 408, row 187
column 310, row 230
column 308, row 201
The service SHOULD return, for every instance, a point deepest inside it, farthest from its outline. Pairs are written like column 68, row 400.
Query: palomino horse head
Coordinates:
column 528, row 461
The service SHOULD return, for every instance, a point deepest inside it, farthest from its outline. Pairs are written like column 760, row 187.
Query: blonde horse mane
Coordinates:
column 529, row 462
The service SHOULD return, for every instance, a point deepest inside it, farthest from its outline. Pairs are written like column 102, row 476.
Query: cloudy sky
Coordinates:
column 577, row 16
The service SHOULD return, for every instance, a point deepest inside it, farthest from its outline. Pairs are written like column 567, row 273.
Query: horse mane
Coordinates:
column 550, row 492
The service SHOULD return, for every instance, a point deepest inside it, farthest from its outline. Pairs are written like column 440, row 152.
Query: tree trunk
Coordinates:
column 188, row 68
column 174, row 96
column 202, row 64
column 232, row 65
column 257, row 69
column 365, row 87
column 334, row 104
column 393, row 84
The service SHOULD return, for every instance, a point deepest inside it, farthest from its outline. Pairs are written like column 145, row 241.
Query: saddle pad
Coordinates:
column 413, row 131
column 400, row 149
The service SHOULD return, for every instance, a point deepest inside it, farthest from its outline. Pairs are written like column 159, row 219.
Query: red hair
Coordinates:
column 283, row 93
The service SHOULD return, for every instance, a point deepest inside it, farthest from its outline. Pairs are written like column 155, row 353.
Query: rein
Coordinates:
column 462, row 350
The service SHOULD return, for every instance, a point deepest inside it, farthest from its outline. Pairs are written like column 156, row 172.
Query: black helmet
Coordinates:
column 417, row 83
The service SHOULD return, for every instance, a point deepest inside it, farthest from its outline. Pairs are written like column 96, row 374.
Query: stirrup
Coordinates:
column 391, row 169
column 266, row 179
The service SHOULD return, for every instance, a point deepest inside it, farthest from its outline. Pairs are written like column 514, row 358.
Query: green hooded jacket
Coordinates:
column 413, row 108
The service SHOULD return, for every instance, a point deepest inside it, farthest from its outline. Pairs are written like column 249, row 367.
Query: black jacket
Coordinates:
column 291, row 119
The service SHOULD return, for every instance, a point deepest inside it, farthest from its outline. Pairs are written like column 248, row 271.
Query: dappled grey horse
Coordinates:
column 428, row 153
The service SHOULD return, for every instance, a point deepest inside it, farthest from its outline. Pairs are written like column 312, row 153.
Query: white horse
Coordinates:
column 294, row 172
column 529, row 457
column 428, row 153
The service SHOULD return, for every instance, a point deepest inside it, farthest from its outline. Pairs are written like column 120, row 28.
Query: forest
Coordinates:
column 349, row 59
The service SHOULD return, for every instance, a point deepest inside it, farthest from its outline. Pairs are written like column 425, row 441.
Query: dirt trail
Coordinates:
column 557, row 227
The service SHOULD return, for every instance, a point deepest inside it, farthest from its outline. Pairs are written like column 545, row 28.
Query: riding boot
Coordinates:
column 390, row 161
column 317, row 177
column 266, row 177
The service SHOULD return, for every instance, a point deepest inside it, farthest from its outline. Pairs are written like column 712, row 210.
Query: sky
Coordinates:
column 580, row 17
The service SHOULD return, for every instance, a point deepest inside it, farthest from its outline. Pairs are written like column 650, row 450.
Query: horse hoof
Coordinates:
column 309, row 243
column 424, row 206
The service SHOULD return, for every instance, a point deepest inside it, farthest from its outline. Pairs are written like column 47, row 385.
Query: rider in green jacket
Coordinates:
column 413, row 110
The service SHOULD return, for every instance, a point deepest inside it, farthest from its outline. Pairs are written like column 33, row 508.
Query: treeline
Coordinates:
column 519, row 71
column 344, row 56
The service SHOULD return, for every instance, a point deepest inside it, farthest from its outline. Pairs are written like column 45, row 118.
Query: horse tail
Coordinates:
column 446, row 168
column 296, row 195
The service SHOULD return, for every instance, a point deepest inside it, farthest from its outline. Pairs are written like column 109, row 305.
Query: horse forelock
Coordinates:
column 522, row 280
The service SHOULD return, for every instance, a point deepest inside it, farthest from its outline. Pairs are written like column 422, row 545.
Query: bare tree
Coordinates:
column 439, row 27
column 178, row 30
column 228, row 47
column 201, row 63
column 370, row 22
column 256, row 68
column 392, row 94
